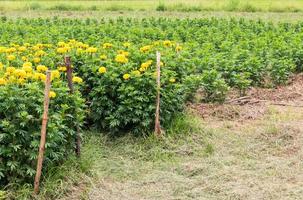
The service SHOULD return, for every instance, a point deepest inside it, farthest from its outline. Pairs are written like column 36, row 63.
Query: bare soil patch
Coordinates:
column 255, row 104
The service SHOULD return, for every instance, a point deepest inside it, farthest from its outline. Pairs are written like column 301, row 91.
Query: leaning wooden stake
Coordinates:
column 43, row 132
column 69, row 72
column 157, row 120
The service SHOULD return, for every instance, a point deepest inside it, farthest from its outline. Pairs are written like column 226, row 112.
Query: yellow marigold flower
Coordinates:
column 21, row 80
column 172, row 80
column 22, row 48
column 55, row 74
column 24, row 58
column 107, row 45
column 42, row 77
column 85, row 46
column 156, row 43
column 123, row 52
column 145, row 65
column 10, row 70
column 145, row 48
column 61, row 44
column 11, row 50
column 27, row 64
column 62, row 69
column 36, row 76
column 91, row 50
column 72, row 41
column 1, row 65
column 102, row 70
column 77, row 79
column 3, row 81
column 61, row 50
column 126, row 44
column 29, row 75
column 79, row 51
column 27, row 68
column 39, row 45
column 126, row 76
column 136, row 73
column 103, row 57
column 42, row 68
column 126, row 53
column 11, row 57
column 161, row 64
column 79, row 44
column 40, row 53
column 52, row 94
column 2, row 49
column 20, row 73
column 167, row 43
column 178, row 48
column 121, row 58
column 35, row 48
column 37, row 60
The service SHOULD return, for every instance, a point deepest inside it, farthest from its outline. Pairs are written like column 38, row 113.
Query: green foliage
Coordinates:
column 281, row 70
column 119, row 105
column 241, row 82
column 214, row 86
column 214, row 55
column 21, row 109
column 161, row 7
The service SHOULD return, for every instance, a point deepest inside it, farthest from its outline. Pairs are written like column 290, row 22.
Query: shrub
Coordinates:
column 34, row 6
column 161, row 7
column 122, row 91
column 21, row 108
column 214, row 86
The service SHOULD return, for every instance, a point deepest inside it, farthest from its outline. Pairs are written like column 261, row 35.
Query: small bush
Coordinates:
column 118, row 8
column 248, row 8
column 232, row 5
column 34, row 6
column 214, row 86
column 65, row 7
column 21, row 110
column 161, row 7
column 93, row 8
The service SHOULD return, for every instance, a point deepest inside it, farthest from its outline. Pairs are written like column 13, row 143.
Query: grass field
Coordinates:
column 152, row 5
column 266, row 16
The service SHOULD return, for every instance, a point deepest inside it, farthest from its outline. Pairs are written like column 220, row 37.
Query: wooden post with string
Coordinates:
column 43, row 132
column 69, row 74
column 157, row 119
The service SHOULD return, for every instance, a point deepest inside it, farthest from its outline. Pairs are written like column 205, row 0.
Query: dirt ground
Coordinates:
column 249, row 148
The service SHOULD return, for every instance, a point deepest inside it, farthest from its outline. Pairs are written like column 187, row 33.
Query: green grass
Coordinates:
column 101, row 156
column 60, row 179
column 152, row 5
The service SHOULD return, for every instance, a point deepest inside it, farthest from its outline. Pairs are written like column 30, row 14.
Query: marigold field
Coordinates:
column 114, row 68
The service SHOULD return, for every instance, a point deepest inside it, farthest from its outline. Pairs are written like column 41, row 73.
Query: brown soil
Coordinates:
column 255, row 105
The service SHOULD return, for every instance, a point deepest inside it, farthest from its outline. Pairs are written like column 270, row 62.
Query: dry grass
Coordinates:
column 256, row 159
column 267, row 16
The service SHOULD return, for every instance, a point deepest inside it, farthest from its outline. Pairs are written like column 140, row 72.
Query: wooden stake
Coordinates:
column 43, row 132
column 157, row 120
column 69, row 72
